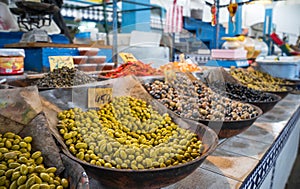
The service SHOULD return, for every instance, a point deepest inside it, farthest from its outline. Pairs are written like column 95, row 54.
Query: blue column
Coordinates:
column 268, row 21
column 217, row 28
column 236, row 27
column 268, row 29
column 115, row 34
column 135, row 20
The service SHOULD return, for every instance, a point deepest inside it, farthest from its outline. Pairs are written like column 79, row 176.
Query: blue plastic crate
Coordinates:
column 59, row 38
column 36, row 59
column 9, row 38
column 107, row 53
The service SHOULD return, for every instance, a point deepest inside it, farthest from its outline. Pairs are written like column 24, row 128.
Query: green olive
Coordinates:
column 126, row 134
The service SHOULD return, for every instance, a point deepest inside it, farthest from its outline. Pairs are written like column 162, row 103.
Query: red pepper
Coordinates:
column 130, row 68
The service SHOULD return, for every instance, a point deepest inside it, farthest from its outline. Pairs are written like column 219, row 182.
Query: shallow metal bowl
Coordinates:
column 224, row 129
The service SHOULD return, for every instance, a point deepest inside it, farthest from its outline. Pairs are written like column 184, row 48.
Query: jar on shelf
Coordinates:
column 248, row 44
column 263, row 47
column 231, row 43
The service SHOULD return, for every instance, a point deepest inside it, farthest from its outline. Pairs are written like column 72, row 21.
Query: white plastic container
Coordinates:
column 283, row 67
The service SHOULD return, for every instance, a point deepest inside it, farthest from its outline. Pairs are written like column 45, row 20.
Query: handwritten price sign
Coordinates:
column 60, row 61
column 127, row 57
column 99, row 96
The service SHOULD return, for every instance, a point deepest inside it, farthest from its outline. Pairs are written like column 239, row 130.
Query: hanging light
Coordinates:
column 96, row 14
column 85, row 14
column 63, row 12
column 69, row 12
column 74, row 13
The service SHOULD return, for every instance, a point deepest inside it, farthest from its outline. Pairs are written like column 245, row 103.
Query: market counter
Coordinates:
column 260, row 157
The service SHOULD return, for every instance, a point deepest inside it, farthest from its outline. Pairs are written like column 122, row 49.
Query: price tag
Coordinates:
column 127, row 57
column 99, row 96
column 60, row 61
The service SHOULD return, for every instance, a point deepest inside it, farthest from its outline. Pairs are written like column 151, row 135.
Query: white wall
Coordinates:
column 286, row 18
column 253, row 14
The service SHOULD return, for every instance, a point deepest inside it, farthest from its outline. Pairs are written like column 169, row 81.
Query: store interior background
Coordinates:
column 284, row 16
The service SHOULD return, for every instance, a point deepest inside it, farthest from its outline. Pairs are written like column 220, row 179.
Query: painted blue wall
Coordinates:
column 135, row 20
column 204, row 31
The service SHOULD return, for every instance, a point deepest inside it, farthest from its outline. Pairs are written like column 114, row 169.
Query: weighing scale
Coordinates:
column 31, row 17
column 228, row 63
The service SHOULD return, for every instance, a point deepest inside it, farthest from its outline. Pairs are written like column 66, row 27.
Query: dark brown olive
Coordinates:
column 194, row 100
column 64, row 77
column 240, row 93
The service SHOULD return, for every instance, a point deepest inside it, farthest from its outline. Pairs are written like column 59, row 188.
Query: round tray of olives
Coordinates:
column 192, row 99
column 63, row 78
column 59, row 78
column 128, row 144
column 262, row 81
column 265, row 101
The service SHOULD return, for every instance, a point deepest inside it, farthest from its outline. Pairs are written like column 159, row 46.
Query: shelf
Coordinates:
column 57, row 45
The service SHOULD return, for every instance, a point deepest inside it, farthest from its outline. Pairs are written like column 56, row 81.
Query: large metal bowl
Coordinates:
column 152, row 178
column 127, row 178
column 224, row 129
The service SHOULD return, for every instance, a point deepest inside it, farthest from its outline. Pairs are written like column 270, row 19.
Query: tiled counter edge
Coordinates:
column 256, row 178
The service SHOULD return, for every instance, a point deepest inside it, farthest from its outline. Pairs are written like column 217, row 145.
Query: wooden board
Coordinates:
column 57, row 45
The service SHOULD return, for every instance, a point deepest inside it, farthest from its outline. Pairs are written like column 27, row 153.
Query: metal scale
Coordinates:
column 32, row 16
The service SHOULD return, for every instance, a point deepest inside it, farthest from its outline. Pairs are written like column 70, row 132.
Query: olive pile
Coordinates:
column 265, row 77
column 194, row 100
column 19, row 168
column 127, row 134
column 240, row 92
column 64, row 77
column 258, row 80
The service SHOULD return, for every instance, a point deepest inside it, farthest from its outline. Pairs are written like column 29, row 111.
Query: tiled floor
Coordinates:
column 294, row 179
